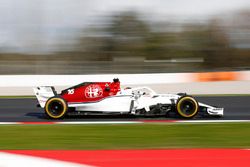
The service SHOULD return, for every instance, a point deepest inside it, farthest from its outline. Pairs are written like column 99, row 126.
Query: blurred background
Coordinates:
column 116, row 36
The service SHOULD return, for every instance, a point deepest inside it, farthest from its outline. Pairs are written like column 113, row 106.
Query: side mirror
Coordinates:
column 116, row 80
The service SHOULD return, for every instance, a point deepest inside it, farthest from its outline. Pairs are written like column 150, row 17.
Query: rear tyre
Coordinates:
column 56, row 108
column 187, row 107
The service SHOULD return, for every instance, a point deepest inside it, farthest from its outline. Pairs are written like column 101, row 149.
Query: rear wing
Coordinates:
column 43, row 93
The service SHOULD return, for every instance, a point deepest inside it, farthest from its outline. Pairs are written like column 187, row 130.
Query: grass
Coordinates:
column 143, row 136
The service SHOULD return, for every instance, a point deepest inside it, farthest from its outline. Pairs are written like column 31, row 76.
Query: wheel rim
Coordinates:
column 187, row 107
column 56, row 108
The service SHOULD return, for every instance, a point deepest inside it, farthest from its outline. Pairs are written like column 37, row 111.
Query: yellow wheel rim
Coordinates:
column 59, row 100
column 179, row 107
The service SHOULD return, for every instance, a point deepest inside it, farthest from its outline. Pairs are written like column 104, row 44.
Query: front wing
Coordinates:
column 213, row 111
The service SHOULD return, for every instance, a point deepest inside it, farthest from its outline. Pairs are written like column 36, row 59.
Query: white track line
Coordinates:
column 10, row 123
column 16, row 160
column 123, row 122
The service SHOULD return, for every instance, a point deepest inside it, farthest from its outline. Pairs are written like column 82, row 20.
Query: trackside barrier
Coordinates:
column 194, row 83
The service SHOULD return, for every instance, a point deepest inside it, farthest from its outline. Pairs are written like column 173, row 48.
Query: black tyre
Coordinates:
column 187, row 107
column 56, row 108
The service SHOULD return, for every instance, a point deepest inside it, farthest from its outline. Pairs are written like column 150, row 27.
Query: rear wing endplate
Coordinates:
column 43, row 93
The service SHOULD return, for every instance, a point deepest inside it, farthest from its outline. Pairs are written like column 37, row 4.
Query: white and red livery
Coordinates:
column 109, row 98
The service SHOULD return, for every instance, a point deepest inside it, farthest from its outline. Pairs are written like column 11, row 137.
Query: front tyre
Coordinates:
column 56, row 108
column 187, row 107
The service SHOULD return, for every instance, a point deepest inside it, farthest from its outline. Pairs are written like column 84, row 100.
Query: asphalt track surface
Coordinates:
column 25, row 110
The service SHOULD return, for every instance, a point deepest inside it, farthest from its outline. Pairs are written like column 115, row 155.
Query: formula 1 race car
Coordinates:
column 109, row 98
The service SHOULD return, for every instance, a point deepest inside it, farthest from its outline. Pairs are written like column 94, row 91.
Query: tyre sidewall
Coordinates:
column 178, row 109
column 47, row 110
